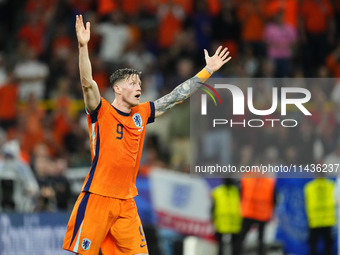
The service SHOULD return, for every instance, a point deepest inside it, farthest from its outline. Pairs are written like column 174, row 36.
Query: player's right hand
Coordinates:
column 83, row 34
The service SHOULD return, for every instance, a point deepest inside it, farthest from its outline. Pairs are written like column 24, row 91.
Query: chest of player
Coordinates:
column 125, row 133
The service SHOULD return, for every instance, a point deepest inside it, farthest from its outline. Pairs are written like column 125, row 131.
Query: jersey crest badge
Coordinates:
column 86, row 243
column 137, row 119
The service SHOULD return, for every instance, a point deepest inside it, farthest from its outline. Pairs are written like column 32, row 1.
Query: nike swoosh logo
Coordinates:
column 142, row 245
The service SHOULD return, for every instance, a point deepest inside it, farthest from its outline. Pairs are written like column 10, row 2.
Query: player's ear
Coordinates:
column 117, row 89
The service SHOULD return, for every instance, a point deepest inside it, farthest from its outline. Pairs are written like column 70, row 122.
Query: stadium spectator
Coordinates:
column 321, row 213
column 8, row 102
column 280, row 38
column 60, row 184
column 31, row 74
column 96, row 39
column 180, row 126
column 184, row 47
column 202, row 24
column 19, row 187
column 43, row 167
column 171, row 16
column 289, row 8
column 33, row 32
column 215, row 145
column 30, row 124
column 318, row 33
column 139, row 58
column 226, row 27
column 249, row 62
column 226, row 214
column 106, row 7
column 153, row 83
column 116, row 37
column 61, row 117
column 257, row 203
column 61, row 43
column 251, row 14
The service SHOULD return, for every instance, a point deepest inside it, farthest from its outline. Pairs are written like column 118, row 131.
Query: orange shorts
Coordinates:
column 105, row 223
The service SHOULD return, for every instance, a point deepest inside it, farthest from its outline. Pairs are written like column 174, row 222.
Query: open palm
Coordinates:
column 218, row 59
column 83, row 34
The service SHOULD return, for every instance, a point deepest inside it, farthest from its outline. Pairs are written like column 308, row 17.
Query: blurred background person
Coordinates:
column 31, row 74
column 317, row 30
column 116, row 37
column 9, row 102
column 280, row 38
column 43, row 167
column 226, row 215
column 60, row 184
column 321, row 213
column 19, row 187
column 257, row 203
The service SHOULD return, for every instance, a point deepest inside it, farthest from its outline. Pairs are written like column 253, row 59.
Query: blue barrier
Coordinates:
column 292, row 229
column 27, row 234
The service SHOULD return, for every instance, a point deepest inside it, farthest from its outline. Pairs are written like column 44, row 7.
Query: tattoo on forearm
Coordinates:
column 180, row 93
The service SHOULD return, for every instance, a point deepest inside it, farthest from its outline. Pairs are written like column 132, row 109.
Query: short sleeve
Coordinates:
column 94, row 114
column 152, row 113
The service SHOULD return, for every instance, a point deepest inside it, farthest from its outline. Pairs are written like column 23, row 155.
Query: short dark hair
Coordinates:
column 122, row 74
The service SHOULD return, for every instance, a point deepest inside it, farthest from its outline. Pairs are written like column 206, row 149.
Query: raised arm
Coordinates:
column 187, row 88
column 89, row 86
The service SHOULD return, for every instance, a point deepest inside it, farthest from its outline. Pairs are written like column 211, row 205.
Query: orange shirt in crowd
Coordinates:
column 131, row 7
column 33, row 35
column 251, row 17
column 105, row 7
column 62, row 119
column 8, row 101
column 316, row 15
column 169, row 27
column 31, row 121
column 289, row 7
column 214, row 7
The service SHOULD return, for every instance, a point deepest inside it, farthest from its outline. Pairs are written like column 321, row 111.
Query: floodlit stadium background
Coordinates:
column 42, row 110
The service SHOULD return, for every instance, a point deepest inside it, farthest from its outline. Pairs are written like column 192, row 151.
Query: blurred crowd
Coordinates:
column 41, row 105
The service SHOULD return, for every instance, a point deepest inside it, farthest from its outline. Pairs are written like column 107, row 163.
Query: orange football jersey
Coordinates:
column 116, row 141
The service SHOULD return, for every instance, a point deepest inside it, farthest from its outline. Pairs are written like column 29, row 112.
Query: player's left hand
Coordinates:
column 218, row 59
